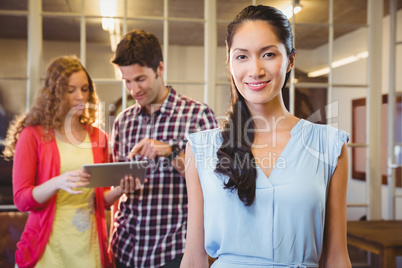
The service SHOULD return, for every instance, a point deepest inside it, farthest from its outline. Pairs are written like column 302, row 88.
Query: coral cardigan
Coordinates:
column 37, row 160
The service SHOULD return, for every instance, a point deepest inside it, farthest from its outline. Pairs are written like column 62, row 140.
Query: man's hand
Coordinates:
column 150, row 148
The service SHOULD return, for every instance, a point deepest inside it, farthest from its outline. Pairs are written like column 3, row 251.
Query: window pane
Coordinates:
column 13, row 68
column 350, row 57
column 61, row 28
column 6, row 189
column 398, row 65
column 95, row 33
column 99, row 49
column 13, row 55
column 282, row 5
column 222, row 74
column 316, row 11
column 186, row 34
column 103, row 7
column 195, row 92
column 221, row 30
column 12, row 101
column 61, row 36
column 310, row 103
column 14, row 5
column 145, row 8
column 110, row 100
column 53, row 49
column 306, row 63
column 347, row 13
column 311, row 52
column 186, row 63
column 228, row 9
column 133, row 9
column 187, row 9
column 71, row 6
column 98, row 62
column 154, row 27
column 398, row 132
column 358, row 135
column 222, row 101
column 13, row 27
column 351, row 54
column 310, row 37
column 340, row 30
column 342, row 75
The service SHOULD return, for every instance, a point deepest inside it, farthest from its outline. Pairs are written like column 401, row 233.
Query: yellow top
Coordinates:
column 74, row 238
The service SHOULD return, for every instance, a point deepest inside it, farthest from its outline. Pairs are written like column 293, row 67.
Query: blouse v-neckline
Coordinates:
column 292, row 132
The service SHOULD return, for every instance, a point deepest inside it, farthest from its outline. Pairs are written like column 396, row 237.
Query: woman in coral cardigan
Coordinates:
column 66, row 225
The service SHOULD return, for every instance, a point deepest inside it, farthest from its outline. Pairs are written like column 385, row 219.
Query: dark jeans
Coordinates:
column 175, row 263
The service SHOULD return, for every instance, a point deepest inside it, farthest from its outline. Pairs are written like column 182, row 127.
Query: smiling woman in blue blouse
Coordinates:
column 266, row 189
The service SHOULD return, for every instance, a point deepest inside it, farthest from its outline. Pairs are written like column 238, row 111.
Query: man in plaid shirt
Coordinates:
column 149, row 226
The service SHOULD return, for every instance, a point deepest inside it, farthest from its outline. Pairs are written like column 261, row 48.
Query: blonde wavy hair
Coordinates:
column 51, row 106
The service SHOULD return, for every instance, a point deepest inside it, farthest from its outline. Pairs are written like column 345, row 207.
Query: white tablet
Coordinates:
column 110, row 174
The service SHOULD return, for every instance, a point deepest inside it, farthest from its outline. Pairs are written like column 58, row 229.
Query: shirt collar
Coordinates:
column 167, row 107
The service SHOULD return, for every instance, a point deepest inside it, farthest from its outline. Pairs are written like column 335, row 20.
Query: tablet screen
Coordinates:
column 110, row 174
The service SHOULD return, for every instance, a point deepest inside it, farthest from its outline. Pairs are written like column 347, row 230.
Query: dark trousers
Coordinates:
column 175, row 263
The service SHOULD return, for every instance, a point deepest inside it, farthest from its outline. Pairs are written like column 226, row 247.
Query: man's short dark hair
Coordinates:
column 139, row 47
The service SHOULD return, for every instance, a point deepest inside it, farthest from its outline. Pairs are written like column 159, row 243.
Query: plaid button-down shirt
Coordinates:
column 150, row 225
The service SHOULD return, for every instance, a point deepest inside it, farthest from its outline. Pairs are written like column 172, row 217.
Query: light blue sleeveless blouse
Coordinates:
column 285, row 224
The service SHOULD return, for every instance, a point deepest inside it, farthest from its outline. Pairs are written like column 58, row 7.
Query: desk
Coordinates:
column 380, row 237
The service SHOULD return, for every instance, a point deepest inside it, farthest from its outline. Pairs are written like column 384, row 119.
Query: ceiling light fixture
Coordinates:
column 339, row 63
column 108, row 11
column 296, row 9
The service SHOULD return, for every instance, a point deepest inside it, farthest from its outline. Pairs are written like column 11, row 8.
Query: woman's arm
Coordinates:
column 66, row 181
column 31, row 192
column 194, row 253
column 335, row 253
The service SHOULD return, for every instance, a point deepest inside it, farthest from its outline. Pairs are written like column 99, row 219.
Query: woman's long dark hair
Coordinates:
column 235, row 158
